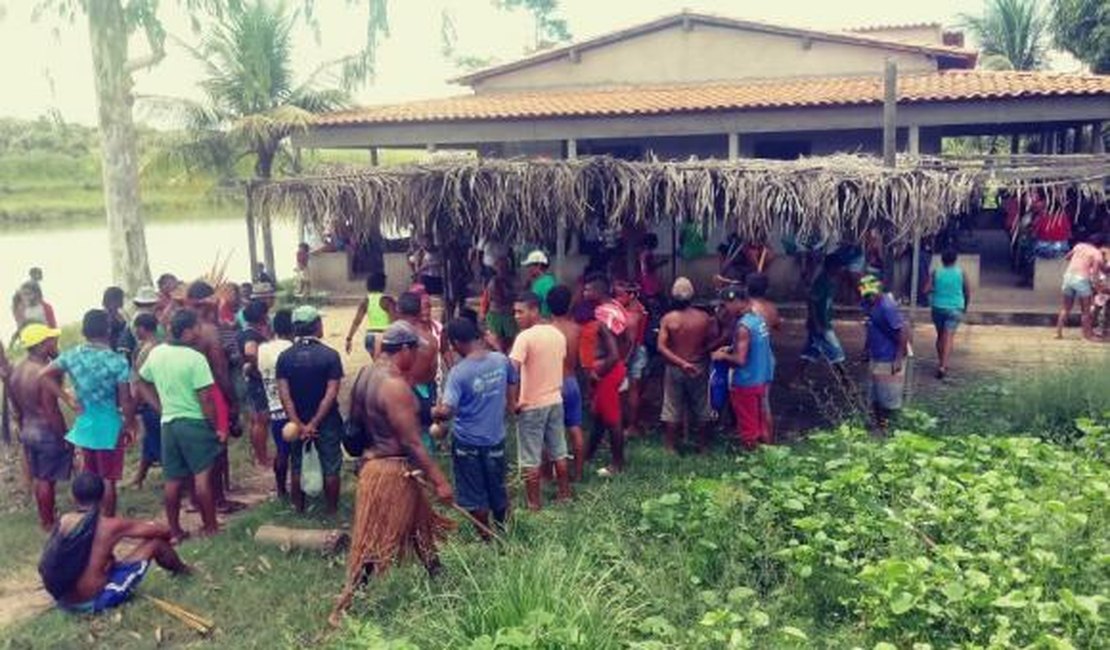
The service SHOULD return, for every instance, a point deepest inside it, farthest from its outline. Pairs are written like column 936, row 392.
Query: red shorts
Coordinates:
column 606, row 403
column 751, row 416
column 223, row 413
column 105, row 463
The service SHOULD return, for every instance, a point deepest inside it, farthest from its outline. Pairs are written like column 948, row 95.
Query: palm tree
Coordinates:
column 253, row 102
column 1010, row 33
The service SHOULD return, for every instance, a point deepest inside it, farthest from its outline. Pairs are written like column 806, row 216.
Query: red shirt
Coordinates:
column 1052, row 227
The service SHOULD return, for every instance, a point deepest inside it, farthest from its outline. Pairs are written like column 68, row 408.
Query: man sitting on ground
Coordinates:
column 42, row 429
column 79, row 567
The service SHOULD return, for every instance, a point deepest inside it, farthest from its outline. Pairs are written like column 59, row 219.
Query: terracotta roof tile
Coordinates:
column 950, row 85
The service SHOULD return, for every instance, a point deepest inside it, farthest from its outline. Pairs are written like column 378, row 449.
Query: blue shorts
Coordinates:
column 480, row 477
column 1077, row 287
column 947, row 320
column 1050, row 250
column 823, row 345
column 152, row 434
column 276, row 425
column 637, row 363
column 572, row 402
column 123, row 578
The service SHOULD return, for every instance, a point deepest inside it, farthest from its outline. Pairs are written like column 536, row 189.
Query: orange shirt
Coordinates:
column 540, row 350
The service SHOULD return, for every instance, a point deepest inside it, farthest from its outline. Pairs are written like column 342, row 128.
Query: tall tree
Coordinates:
column 1082, row 27
column 1011, row 30
column 253, row 102
column 112, row 24
column 549, row 28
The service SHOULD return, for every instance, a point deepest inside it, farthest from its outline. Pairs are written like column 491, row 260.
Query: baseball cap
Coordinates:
column 400, row 333
column 870, row 285
column 536, row 257
column 733, row 292
column 305, row 314
column 145, row 296
column 683, row 289
column 35, row 333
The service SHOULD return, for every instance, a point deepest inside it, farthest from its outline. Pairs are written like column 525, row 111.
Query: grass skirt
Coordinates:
column 392, row 518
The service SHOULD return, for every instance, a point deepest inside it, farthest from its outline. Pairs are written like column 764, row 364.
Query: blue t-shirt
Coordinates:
column 476, row 391
column 96, row 373
column 760, row 367
column 884, row 322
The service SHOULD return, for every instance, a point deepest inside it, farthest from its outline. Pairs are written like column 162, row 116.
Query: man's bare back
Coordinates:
column 30, row 399
column 571, row 332
column 368, row 412
column 423, row 369
column 208, row 344
column 687, row 334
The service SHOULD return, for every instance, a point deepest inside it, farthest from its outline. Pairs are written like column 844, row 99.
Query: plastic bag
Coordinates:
column 718, row 385
column 312, row 474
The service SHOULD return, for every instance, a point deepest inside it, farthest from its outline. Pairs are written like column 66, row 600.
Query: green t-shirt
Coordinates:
column 177, row 372
column 542, row 286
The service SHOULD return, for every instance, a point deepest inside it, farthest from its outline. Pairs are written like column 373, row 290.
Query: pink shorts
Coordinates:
column 105, row 463
column 751, row 415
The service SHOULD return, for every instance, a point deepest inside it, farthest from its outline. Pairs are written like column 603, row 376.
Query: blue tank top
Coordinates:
column 760, row 367
column 948, row 288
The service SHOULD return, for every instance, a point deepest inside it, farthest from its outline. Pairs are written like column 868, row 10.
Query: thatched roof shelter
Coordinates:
column 523, row 200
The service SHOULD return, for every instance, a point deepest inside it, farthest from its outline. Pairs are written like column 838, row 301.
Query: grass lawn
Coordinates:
column 931, row 539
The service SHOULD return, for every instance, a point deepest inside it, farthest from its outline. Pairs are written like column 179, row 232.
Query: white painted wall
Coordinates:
column 921, row 35
column 705, row 53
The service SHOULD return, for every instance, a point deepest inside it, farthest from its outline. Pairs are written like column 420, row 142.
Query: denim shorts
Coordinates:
column 572, row 402
column 823, row 345
column 480, row 477
column 947, row 320
column 1077, row 287
column 637, row 363
column 542, row 429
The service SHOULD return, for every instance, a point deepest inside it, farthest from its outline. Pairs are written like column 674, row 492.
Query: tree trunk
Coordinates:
column 264, row 170
column 108, row 36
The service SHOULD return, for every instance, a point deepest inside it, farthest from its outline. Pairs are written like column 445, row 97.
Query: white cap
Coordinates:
column 536, row 257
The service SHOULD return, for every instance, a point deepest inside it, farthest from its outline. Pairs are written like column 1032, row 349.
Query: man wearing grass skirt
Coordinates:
column 888, row 338
column 392, row 515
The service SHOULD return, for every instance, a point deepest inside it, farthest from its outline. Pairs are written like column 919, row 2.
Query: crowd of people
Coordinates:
column 196, row 365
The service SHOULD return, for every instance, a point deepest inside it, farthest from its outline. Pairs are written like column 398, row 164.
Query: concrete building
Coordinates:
column 695, row 85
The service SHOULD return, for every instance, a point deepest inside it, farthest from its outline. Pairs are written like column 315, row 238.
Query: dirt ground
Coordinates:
column 981, row 350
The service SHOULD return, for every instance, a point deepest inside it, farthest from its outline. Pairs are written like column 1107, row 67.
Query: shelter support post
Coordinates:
column 915, row 272
column 267, row 246
column 374, row 156
column 561, row 223
column 252, row 236
column 1098, row 144
column 733, row 146
column 890, row 112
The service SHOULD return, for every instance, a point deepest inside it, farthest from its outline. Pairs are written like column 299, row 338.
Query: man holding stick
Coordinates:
column 392, row 513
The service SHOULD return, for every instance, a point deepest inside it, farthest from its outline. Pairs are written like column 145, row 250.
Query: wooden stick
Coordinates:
column 416, row 476
column 194, row 621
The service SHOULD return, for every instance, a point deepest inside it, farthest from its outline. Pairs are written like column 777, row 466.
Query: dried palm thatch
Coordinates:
column 814, row 198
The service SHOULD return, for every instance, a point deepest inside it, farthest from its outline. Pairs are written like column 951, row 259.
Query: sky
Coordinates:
column 45, row 65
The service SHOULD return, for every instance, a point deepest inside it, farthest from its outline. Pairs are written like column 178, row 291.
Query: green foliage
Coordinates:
column 1082, row 27
column 549, row 28
column 1014, row 30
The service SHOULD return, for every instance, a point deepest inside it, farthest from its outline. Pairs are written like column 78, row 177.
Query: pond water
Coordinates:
column 76, row 267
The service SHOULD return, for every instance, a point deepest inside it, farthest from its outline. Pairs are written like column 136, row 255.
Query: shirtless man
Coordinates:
column 559, row 300
column 614, row 343
column 201, row 298
column 685, row 334
column 105, row 581
column 393, row 516
column 627, row 295
column 758, row 284
column 422, row 372
column 42, row 428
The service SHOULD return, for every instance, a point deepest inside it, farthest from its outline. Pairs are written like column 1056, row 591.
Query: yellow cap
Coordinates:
column 870, row 285
column 35, row 333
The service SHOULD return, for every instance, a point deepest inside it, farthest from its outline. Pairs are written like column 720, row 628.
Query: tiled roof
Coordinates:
column 955, row 56
column 946, row 86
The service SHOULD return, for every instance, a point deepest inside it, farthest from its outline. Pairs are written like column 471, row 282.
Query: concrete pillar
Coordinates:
column 373, row 156
column 913, row 141
column 733, row 146
column 1098, row 145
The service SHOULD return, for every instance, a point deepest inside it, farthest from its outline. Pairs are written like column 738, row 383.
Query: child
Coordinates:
column 146, row 334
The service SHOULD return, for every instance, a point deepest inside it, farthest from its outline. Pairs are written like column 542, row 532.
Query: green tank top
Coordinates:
column 948, row 288
column 377, row 319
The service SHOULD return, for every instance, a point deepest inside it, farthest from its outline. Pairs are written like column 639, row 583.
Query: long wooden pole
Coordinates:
column 252, row 234
column 890, row 112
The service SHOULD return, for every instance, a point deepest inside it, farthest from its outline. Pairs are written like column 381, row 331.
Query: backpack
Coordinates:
column 65, row 557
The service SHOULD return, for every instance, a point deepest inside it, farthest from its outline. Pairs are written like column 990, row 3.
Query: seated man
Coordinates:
column 78, row 566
